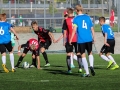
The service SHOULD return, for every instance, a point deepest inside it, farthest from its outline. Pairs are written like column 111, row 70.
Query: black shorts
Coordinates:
column 7, row 46
column 105, row 49
column 69, row 48
column 85, row 46
column 45, row 44
column 37, row 52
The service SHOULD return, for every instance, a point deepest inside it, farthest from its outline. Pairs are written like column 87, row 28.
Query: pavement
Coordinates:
column 58, row 47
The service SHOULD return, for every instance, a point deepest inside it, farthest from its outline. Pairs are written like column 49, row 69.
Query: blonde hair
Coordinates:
column 33, row 46
column 79, row 8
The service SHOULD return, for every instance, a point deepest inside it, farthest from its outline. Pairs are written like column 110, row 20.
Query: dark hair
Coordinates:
column 33, row 22
column 65, row 15
column 102, row 18
column 70, row 11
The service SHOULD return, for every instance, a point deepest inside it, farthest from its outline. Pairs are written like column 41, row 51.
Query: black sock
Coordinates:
column 19, row 61
column 34, row 62
column 79, row 60
column 68, row 60
column 45, row 57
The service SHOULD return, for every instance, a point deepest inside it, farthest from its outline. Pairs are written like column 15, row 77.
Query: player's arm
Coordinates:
column 38, row 62
column 105, row 40
column 14, row 33
column 59, row 38
column 51, row 36
column 93, row 34
column 73, row 32
column 21, row 46
column 64, row 32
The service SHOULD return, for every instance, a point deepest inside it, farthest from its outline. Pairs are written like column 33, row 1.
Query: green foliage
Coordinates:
column 52, row 8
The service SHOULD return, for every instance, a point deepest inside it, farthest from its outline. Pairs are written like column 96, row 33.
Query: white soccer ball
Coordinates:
column 25, row 65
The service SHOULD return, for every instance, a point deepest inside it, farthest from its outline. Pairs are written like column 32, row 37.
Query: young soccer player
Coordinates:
column 73, row 56
column 82, row 25
column 67, row 27
column 109, row 44
column 33, row 46
column 45, row 38
column 5, row 42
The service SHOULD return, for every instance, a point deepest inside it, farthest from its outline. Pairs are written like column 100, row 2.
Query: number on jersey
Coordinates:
column 84, row 24
column 1, row 31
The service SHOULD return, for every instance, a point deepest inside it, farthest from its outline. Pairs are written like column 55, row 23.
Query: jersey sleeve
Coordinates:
column 25, row 45
column 64, row 27
column 75, row 22
column 45, row 31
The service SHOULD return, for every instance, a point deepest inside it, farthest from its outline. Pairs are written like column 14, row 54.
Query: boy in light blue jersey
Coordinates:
column 5, row 42
column 109, row 44
column 82, row 25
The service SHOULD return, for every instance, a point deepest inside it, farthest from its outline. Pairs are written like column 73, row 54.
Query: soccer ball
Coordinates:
column 25, row 65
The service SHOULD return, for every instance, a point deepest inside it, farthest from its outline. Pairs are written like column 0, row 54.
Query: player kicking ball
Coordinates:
column 109, row 44
column 33, row 46
column 45, row 38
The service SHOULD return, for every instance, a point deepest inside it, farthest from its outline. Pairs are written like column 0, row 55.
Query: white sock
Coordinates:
column 12, row 60
column 4, row 60
column 71, row 57
column 111, row 58
column 104, row 58
column 85, row 64
column 75, row 57
column 91, row 60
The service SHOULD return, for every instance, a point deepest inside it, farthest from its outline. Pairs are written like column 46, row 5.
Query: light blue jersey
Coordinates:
column 5, row 36
column 83, row 24
column 107, row 29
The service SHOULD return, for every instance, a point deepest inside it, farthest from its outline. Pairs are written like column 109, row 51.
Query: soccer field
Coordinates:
column 56, row 78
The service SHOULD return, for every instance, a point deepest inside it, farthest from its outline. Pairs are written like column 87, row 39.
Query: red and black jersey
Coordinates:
column 29, row 43
column 43, row 35
column 68, row 25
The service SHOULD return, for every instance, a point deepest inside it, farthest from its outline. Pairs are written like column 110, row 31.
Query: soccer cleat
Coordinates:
column 92, row 71
column 80, row 70
column 13, row 70
column 5, row 68
column 31, row 66
column 85, row 75
column 69, row 71
column 115, row 67
column 47, row 65
column 110, row 63
column 72, row 66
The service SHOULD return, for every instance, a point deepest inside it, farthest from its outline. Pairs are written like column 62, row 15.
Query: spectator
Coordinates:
column 13, row 22
column 20, row 21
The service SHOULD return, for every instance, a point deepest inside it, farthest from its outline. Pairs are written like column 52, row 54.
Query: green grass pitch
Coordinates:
column 56, row 78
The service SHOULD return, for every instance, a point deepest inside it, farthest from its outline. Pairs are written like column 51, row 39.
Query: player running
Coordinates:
column 45, row 38
column 67, row 27
column 5, row 42
column 33, row 46
column 82, row 25
column 109, row 44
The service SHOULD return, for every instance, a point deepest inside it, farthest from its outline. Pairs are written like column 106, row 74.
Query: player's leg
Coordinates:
column 21, row 57
column 111, row 50
column 81, row 49
column 3, row 50
column 45, row 46
column 11, row 55
column 91, row 58
column 68, row 59
column 71, row 57
column 33, row 61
